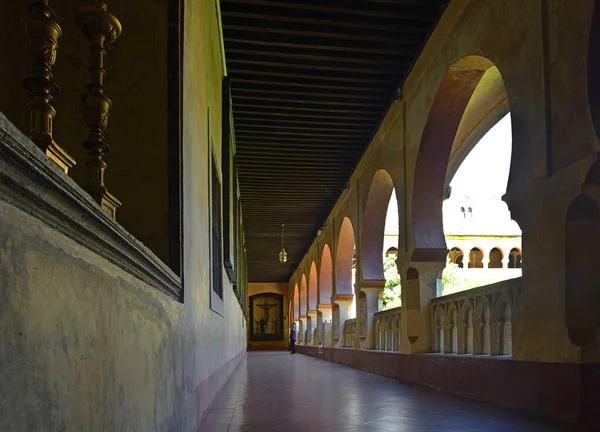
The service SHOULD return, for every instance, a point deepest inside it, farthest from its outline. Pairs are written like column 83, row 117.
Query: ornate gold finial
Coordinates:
column 102, row 28
column 42, row 34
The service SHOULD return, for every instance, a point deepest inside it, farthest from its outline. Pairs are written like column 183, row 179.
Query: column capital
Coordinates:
column 364, row 285
column 343, row 299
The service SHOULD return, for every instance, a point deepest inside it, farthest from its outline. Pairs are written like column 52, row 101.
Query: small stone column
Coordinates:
column 310, row 327
column 302, row 330
column 367, row 307
column 325, row 336
column 343, row 301
column 418, row 288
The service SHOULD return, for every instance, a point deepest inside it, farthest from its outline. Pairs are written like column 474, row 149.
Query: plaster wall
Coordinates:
column 84, row 345
column 537, row 47
column 210, row 340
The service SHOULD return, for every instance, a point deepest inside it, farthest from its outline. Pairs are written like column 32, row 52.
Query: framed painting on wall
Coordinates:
column 266, row 317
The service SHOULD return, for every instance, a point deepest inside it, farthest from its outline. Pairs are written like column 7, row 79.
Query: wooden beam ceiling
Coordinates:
column 311, row 80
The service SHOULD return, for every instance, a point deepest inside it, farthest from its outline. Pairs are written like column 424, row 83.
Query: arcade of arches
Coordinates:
column 449, row 102
column 134, row 281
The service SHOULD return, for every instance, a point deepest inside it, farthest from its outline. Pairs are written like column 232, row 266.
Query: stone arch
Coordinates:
column 313, row 287
column 475, row 258
column 456, row 256
column 451, row 105
column 391, row 251
column 594, row 69
column 326, row 277
column 515, row 258
column 303, row 296
column 296, row 309
column 582, row 279
column 496, row 257
column 343, row 259
column 373, row 225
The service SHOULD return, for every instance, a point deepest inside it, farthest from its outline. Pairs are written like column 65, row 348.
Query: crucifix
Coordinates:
column 266, row 306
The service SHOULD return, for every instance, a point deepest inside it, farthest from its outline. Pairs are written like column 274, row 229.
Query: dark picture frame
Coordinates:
column 267, row 324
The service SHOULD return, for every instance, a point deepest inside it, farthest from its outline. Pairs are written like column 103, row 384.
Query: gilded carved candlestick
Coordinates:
column 42, row 34
column 102, row 28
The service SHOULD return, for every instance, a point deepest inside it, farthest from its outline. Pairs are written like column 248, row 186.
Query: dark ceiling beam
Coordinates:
column 419, row 10
column 319, row 22
column 267, row 114
column 298, row 53
column 302, row 31
column 322, row 95
column 241, row 81
column 313, row 100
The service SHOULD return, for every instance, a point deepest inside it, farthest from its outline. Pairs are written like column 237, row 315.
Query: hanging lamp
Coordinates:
column 283, row 253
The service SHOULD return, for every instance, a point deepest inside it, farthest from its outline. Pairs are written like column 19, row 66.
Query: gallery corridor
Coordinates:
column 275, row 391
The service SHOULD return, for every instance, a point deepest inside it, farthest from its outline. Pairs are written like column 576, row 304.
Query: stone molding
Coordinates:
column 30, row 181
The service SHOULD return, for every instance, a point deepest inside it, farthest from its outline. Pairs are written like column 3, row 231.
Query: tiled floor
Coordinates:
column 276, row 391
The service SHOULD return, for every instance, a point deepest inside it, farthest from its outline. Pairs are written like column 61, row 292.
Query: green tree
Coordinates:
column 391, row 293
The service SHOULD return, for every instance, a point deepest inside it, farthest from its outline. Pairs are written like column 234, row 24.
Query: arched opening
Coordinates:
column 374, row 224
column 391, row 252
column 312, row 288
column 344, row 258
column 391, row 297
column 465, row 148
column 456, row 256
column 296, row 309
column 450, row 105
column 325, row 277
column 475, row 258
column 303, row 296
column 496, row 257
column 515, row 258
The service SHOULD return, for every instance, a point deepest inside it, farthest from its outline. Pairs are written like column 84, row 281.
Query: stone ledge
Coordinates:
column 33, row 183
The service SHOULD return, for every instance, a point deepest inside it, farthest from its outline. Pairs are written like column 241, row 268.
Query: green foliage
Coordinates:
column 391, row 293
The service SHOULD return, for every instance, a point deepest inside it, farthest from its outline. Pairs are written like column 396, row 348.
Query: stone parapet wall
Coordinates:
column 562, row 391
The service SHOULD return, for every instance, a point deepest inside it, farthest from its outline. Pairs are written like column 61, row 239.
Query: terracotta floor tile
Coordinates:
column 275, row 391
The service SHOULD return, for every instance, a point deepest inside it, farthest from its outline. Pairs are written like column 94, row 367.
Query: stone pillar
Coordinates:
column 310, row 327
column 343, row 301
column 418, row 288
column 325, row 335
column 367, row 307
column 540, row 208
column 505, row 259
column 302, row 330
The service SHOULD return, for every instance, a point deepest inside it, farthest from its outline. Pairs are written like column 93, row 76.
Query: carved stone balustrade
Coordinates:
column 480, row 321
column 350, row 333
column 387, row 329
